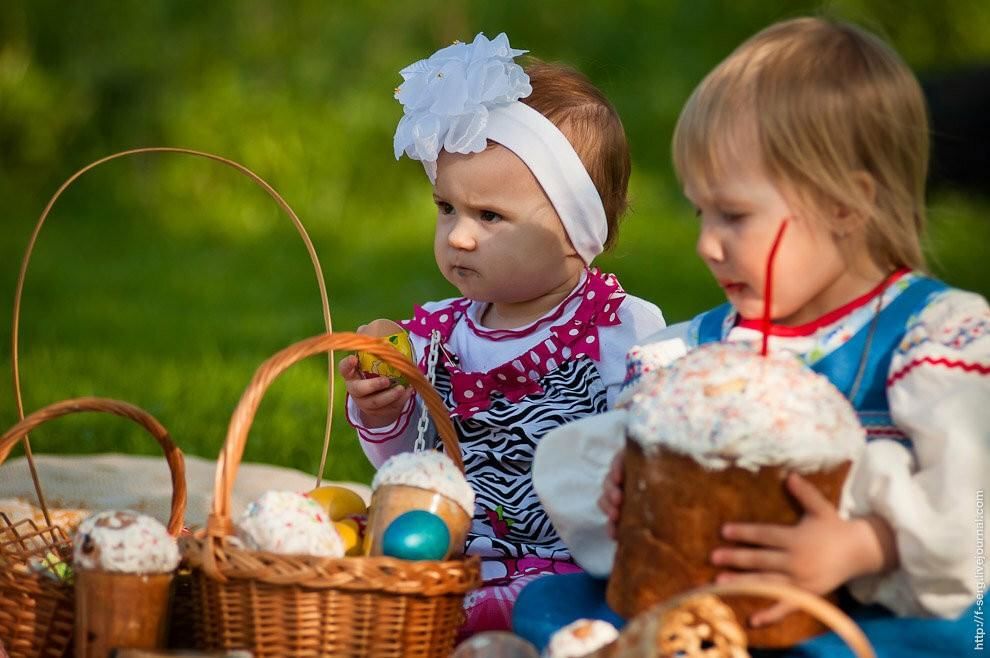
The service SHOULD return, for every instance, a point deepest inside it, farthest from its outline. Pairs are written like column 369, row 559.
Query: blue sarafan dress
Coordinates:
column 913, row 357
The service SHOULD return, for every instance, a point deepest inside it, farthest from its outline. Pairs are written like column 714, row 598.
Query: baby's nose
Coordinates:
column 461, row 235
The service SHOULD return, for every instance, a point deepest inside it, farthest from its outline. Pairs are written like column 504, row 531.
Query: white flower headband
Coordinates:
column 466, row 94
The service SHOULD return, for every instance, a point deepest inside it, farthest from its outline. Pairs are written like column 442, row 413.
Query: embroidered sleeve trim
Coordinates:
column 380, row 434
column 976, row 368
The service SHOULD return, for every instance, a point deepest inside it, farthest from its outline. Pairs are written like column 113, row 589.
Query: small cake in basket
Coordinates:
column 427, row 481
column 710, row 440
column 580, row 638
column 124, row 562
column 289, row 523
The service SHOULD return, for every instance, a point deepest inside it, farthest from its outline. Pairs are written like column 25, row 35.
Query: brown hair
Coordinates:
column 592, row 126
column 829, row 102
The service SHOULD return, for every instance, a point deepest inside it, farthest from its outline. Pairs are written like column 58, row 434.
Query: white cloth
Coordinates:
column 142, row 483
column 939, row 394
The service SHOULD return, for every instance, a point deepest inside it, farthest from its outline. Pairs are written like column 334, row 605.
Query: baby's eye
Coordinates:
column 444, row 207
column 731, row 216
column 697, row 212
column 490, row 216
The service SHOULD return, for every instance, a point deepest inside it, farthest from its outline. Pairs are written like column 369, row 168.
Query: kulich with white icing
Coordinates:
column 580, row 638
column 289, row 523
column 124, row 541
column 429, row 470
column 725, row 404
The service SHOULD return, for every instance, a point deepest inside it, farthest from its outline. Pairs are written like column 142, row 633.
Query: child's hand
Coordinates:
column 378, row 401
column 610, row 501
column 819, row 554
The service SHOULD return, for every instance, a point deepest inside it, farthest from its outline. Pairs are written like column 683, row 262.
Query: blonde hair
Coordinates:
column 829, row 102
column 572, row 103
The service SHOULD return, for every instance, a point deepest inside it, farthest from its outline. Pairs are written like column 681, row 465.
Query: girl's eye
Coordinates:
column 732, row 216
column 444, row 208
column 489, row 216
column 697, row 212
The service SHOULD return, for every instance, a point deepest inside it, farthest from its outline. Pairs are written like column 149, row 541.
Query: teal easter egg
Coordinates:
column 416, row 535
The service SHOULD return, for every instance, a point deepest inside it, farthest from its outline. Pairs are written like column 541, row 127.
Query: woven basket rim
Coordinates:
column 379, row 574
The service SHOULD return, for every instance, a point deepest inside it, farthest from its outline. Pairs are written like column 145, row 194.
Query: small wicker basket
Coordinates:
column 291, row 605
column 36, row 610
column 697, row 624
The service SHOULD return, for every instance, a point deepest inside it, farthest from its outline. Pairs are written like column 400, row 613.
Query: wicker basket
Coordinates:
column 697, row 624
column 36, row 611
column 283, row 605
column 61, row 626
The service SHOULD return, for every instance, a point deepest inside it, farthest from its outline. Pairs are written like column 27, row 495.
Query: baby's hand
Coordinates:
column 378, row 402
column 610, row 501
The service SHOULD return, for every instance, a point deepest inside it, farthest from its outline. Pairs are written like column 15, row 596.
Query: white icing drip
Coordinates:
column 725, row 404
column 430, row 470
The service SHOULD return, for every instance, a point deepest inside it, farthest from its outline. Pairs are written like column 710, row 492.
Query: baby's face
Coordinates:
column 498, row 238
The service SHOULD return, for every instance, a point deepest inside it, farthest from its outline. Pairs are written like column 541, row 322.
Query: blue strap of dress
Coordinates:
column 710, row 326
column 842, row 365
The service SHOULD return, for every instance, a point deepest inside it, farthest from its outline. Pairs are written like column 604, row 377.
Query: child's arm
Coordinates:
column 572, row 464
column 914, row 508
column 384, row 416
column 938, row 388
column 640, row 322
column 568, row 469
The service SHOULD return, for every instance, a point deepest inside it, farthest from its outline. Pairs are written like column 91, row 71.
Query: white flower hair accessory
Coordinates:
column 446, row 97
column 464, row 95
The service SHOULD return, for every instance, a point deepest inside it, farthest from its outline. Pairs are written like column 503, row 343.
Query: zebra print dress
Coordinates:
column 506, row 389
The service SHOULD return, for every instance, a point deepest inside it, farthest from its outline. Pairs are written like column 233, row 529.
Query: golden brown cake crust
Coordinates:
column 671, row 516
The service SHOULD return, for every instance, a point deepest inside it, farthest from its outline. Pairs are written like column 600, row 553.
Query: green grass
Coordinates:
column 163, row 302
column 166, row 281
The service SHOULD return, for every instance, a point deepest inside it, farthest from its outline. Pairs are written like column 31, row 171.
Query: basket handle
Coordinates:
column 822, row 610
column 219, row 523
column 176, row 462
column 34, row 238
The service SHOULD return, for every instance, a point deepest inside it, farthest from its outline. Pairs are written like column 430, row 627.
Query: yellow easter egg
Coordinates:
column 372, row 365
column 338, row 502
column 348, row 531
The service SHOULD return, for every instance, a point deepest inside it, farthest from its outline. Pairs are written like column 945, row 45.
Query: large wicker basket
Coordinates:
column 281, row 605
column 37, row 610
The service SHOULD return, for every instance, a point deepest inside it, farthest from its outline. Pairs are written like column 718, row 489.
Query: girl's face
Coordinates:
column 741, row 211
column 498, row 238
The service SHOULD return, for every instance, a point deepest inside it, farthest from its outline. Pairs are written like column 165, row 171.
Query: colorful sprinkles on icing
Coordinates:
column 430, row 470
column 289, row 523
column 125, row 541
column 724, row 404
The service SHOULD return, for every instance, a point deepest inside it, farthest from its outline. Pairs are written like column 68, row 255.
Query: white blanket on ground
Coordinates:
column 142, row 483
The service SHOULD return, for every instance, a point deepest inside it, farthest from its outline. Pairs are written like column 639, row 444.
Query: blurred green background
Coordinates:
column 165, row 280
